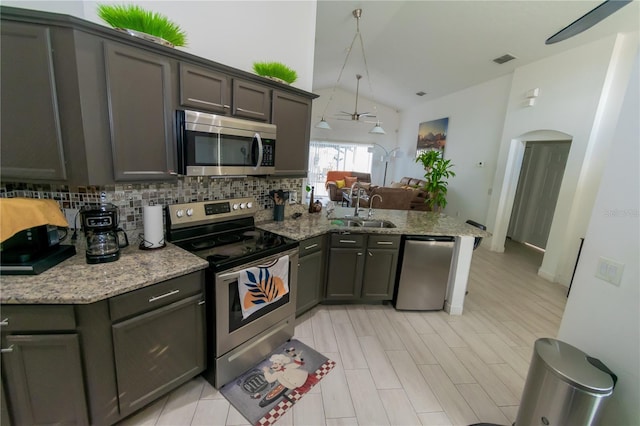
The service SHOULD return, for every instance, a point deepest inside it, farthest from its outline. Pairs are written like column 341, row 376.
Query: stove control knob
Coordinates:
column 249, row 205
column 235, row 206
column 189, row 212
column 180, row 213
column 242, row 205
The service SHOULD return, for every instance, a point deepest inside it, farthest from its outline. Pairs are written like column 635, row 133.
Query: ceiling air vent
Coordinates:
column 504, row 58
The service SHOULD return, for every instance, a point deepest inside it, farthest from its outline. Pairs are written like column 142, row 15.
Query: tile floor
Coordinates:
column 410, row 368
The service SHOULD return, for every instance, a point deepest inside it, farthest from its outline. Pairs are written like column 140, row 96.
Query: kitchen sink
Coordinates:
column 366, row 223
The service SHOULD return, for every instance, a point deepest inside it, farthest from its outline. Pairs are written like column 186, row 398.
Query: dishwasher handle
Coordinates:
column 436, row 238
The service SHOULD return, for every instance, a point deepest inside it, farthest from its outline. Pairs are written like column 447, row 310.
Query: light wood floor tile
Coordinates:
column 349, row 346
column 323, row 334
column 434, row 419
column 287, row 418
column 499, row 329
column 342, row 421
column 508, row 353
column 528, row 337
column 335, row 391
column 181, row 405
column 303, row 326
column 418, row 322
column 478, row 343
column 419, row 392
column 308, row 411
column 500, row 393
column 339, row 316
column 412, row 342
column 398, row 407
column 444, row 330
column 384, row 330
column 366, row 400
column 510, row 412
column 147, row 416
column 454, row 404
column 457, row 372
column 211, row 412
column 481, row 404
column 361, row 322
column 384, row 376
column 234, row 418
column 208, row 391
column 512, row 380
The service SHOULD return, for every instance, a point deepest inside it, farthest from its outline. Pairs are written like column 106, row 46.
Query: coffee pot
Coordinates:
column 104, row 238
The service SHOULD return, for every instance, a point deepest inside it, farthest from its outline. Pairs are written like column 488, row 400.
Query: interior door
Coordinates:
column 537, row 193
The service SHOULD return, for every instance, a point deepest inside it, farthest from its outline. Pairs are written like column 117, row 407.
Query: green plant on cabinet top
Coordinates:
column 275, row 70
column 132, row 17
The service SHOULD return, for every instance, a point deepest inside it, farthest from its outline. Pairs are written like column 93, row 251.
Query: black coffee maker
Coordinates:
column 104, row 238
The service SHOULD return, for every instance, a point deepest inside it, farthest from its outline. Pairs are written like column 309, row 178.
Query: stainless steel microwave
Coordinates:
column 215, row 145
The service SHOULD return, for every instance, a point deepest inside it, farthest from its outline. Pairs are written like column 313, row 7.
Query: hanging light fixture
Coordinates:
column 355, row 116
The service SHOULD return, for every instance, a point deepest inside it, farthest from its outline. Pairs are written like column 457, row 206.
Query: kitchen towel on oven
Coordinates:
column 261, row 285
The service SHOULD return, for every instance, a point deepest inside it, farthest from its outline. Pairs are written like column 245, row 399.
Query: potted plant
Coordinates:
column 140, row 22
column 438, row 170
column 275, row 71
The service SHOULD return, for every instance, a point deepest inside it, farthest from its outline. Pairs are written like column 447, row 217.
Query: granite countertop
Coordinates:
column 408, row 222
column 73, row 281
column 76, row 282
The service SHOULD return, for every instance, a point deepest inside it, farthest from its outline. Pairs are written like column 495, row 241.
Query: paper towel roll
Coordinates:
column 153, row 229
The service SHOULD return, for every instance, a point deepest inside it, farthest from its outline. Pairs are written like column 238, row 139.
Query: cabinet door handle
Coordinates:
column 311, row 246
column 249, row 111
column 7, row 350
column 359, row 254
column 385, row 243
column 201, row 302
column 4, row 322
column 348, row 241
column 206, row 102
column 162, row 296
column 370, row 254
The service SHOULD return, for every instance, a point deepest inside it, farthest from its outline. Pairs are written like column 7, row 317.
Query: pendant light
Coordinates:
column 355, row 116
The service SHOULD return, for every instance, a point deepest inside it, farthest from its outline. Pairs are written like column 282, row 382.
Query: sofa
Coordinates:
column 340, row 181
column 404, row 195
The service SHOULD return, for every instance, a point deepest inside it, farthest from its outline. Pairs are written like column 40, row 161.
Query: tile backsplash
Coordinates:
column 130, row 198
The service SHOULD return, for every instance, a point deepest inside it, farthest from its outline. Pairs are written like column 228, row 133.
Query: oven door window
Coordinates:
column 235, row 311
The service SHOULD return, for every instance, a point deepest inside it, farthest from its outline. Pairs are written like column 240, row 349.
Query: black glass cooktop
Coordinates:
column 230, row 249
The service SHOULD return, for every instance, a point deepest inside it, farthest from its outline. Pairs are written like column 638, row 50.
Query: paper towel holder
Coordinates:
column 142, row 245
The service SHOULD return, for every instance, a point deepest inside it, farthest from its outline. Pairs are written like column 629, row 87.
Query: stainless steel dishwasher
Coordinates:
column 424, row 275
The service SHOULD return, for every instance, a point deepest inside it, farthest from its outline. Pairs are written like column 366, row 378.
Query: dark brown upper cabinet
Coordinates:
column 139, row 98
column 31, row 135
column 251, row 101
column 204, row 89
column 292, row 116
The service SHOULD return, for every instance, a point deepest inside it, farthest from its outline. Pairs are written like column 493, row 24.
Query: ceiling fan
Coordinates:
column 355, row 116
column 588, row 20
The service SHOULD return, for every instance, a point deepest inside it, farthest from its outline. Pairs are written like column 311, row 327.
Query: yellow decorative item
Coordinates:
column 19, row 214
column 340, row 184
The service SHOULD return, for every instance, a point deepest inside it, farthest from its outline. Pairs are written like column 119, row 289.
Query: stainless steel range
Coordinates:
column 239, row 254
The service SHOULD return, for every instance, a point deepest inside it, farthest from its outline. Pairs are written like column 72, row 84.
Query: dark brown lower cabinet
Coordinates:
column 157, row 350
column 311, row 267
column 44, row 376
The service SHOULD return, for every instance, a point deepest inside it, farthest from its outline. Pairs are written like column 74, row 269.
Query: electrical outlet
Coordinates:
column 293, row 197
column 609, row 270
column 480, row 164
column 71, row 215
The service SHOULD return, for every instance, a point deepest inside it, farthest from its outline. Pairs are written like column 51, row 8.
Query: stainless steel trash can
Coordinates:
column 564, row 386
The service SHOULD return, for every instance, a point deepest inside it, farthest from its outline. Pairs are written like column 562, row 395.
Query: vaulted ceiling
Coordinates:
column 440, row 47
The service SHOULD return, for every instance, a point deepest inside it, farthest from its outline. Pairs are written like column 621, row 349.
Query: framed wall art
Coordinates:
column 432, row 135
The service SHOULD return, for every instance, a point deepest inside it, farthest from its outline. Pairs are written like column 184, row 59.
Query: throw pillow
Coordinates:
column 350, row 180
column 340, row 184
column 396, row 185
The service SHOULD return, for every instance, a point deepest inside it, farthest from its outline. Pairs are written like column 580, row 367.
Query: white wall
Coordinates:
column 476, row 117
column 580, row 95
column 601, row 319
column 233, row 33
column 343, row 129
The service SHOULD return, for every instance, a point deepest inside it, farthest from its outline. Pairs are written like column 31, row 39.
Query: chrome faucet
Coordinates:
column 370, row 213
column 357, row 203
